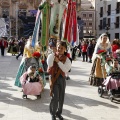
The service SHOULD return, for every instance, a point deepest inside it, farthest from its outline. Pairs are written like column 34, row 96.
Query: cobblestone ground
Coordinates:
column 81, row 101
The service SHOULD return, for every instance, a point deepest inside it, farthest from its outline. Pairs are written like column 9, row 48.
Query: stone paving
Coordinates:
column 81, row 101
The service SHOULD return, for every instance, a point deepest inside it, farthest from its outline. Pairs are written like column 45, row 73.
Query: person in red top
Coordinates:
column 3, row 45
column 84, row 51
column 114, row 48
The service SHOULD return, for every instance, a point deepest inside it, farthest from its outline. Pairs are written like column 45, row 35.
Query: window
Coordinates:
column 118, row 7
column 117, row 22
column 109, row 10
column 84, row 31
column 101, row 23
column 108, row 36
column 84, row 15
column 109, row 22
column 90, row 24
column 101, row 11
column 116, row 35
column 90, row 15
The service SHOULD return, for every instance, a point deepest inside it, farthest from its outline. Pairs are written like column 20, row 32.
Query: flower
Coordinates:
column 101, row 51
column 40, row 70
column 36, row 54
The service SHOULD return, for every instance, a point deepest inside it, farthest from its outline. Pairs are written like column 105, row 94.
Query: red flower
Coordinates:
column 36, row 54
column 101, row 51
column 43, row 61
column 40, row 70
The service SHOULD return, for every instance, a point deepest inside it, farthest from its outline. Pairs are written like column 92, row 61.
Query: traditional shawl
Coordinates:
column 55, row 71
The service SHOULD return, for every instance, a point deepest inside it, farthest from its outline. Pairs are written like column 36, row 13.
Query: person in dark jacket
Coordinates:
column 90, row 50
column 21, row 46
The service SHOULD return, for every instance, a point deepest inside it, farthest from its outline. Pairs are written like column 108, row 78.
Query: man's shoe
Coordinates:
column 59, row 116
column 53, row 117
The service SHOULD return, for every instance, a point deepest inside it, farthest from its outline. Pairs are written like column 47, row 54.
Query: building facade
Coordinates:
column 11, row 9
column 108, row 18
column 87, row 14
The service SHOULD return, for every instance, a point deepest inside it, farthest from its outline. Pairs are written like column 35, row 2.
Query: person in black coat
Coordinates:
column 90, row 51
column 21, row 47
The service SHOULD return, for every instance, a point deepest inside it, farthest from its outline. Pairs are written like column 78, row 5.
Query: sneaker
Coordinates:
column 59, row 116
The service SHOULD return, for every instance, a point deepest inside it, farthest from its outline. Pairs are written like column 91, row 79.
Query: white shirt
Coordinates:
column 64, row 67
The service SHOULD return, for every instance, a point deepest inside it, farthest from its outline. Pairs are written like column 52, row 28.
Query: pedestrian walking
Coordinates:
column 84, row 51
column 21, row 45
column 90, row 50
column 3, row 45
column 58, row 65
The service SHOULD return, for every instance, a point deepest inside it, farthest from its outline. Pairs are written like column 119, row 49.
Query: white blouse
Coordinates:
column 64, row 67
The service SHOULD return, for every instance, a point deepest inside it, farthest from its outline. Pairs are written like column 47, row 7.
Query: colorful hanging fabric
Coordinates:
column 74, row 22
column 55, row 20
column 36, row 30
column 67, row 19
column 70, row 25
column 45, row 18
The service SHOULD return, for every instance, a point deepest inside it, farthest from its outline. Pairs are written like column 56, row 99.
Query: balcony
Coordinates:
column 100, row 27
column 117, row 11
column 116, row 25
column 108, row 13
column 101, row 14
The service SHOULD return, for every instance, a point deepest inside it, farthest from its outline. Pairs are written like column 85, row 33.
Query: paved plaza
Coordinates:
column 81, row 101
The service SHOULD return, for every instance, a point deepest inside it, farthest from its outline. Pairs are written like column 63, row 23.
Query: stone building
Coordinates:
column 9, row 8
column 87, row 14
column 108, row 18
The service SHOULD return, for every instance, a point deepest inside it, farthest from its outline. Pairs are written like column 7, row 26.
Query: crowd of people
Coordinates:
column 58, row 58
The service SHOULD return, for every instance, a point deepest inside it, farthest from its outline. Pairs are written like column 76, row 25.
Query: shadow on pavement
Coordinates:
column 1, row 115
column 88, row 102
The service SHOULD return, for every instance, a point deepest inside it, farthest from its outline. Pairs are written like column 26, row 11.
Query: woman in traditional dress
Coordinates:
column 98, row 73
column 28, row 51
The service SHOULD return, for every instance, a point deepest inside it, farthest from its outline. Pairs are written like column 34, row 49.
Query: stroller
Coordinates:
column 110, row 85
column 31, row 83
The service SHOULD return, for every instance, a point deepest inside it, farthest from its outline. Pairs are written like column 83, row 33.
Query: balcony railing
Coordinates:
column 100, row 27
column 117, row 25
column 108, row 13
column 117, row 11
column 101, row 14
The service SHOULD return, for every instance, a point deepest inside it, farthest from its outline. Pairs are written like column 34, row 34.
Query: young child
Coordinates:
column 112, row 66
column 58, row 66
